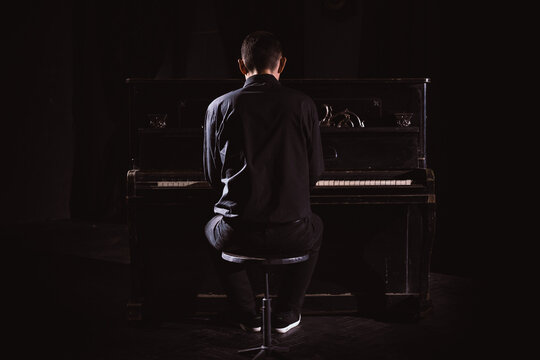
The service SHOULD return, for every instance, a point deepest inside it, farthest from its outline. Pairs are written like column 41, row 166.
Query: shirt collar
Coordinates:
column 260, row 79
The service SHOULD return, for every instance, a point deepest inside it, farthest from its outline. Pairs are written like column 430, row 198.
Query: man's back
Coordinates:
column 263, row 151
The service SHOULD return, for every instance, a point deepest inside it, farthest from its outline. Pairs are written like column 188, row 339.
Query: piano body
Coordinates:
column 376, row 197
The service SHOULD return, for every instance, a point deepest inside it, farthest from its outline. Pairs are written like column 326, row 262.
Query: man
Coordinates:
column 262, row 153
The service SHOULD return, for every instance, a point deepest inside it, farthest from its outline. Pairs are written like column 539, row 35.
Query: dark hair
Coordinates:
column 261, row 50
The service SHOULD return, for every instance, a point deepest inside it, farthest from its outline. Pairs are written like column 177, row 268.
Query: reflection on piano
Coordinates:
column 376, row 197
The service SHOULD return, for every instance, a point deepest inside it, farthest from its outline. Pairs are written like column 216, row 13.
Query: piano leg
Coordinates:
column 134, row 306
column 428, row 216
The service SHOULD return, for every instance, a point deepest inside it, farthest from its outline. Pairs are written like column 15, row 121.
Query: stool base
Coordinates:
column 263, row 351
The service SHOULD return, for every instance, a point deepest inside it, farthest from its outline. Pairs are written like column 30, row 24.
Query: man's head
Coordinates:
column 261, row 54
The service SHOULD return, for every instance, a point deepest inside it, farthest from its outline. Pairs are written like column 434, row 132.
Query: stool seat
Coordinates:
column 263, row 259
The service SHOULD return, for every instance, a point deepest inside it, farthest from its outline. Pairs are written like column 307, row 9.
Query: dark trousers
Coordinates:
column 293, row 238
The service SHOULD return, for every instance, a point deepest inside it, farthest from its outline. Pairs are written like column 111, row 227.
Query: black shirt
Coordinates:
column 262, row 151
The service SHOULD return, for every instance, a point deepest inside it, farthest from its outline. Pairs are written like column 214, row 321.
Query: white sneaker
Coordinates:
column 284, row 322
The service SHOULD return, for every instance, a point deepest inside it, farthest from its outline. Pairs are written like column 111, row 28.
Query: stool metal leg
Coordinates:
column 267, row 311
column 266, row 348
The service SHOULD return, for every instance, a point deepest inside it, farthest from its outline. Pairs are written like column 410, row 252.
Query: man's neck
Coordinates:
column 267, row 72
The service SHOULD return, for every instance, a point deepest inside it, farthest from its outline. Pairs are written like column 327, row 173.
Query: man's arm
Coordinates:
column 211, row 159
column 315, row 152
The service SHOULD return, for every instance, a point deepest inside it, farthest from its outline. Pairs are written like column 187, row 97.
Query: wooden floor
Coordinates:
column 71, row 283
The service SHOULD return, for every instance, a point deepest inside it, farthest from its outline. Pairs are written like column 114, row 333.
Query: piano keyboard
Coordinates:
column 320, row 183
column 183, row 183
column 326, row 183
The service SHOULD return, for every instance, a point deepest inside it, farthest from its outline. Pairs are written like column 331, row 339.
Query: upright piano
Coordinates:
column 376, row 197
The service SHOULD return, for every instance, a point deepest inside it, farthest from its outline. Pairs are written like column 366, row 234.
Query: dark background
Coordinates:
column 65, row 124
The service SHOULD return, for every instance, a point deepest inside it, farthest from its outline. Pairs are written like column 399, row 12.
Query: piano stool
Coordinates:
column 266, row 262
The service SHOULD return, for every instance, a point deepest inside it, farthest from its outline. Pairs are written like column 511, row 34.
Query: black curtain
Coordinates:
column 284, row 18
column 114, row 41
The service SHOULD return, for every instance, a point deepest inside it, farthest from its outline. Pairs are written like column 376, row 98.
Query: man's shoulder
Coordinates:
column 297, row 96
column 225, row 98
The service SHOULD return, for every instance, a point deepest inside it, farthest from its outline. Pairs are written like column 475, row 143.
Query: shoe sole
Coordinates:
column 249, row 329
column 289, row 327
